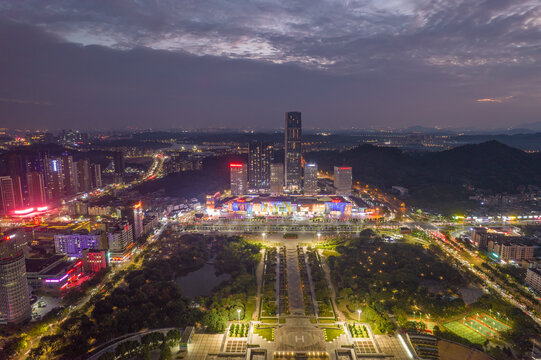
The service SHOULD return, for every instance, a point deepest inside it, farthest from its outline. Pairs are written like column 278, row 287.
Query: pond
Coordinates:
column 200, row 282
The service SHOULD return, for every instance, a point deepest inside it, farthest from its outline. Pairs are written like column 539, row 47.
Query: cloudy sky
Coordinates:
column 243, row 63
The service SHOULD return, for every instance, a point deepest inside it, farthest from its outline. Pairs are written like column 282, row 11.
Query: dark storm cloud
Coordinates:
column 242, row 63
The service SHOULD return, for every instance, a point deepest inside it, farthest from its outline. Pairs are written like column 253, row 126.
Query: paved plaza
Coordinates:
column 203, row 345
column 299, row 335
column 295, row 297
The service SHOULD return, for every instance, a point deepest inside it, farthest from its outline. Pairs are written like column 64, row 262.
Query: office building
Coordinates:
column 83, row 175
column 95, row 176
column 54, row 178
column 277, row 179
column 138, row 220
column 260, row 156
column 70, row 175
column 36, row 189
column 293, row 152
column 310, row 179
column 10, row 194
column 14, row 295
column 342, row 180
column 94, row 260
column 239, row 178
column 533, row 279
column 73, row 244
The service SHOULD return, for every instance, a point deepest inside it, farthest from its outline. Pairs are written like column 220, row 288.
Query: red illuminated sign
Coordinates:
column 235, row 165
column 345, row 168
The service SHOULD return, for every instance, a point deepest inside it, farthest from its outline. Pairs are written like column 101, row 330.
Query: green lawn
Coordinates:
column 332, row 333
column 266, row 333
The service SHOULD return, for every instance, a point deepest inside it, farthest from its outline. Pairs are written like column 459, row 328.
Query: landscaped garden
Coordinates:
column 239, row 330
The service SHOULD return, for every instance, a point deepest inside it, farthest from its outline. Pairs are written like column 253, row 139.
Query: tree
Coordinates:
column 165, row 352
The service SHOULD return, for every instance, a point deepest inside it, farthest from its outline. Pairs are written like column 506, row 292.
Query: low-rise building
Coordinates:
column 73, row 244
column 53, row 274
column 506, row 250
column 94, row 260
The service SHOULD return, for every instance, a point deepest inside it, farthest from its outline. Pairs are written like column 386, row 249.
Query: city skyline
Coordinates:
column 354, row 64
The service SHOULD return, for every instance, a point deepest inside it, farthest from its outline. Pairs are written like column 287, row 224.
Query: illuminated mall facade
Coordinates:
column 281, row 206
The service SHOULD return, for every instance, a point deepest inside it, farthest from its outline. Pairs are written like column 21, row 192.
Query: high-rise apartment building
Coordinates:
column 120, row 165
column 137, row 220
column 120, row 240
column 83, row 175
column 310, row 179
column 11, row 197
column 239, row 178
column 54, row 178
column 259, row 160
column 342, row 180
column 70, row 175
column 293, row 152
column 14, row 295
column 95, row 176
column 36, row 189
column 277, row 178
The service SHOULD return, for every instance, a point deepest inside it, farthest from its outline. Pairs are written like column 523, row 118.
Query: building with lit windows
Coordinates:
column 14, row 294
column 36, row 189
column 310, row 179
column 260, row 156
column 239, row 178
column 94, row 260
column 293, row 152
column 533, row 278
column 73, row 244
column 120, row 241
column 70, row 175
column 277, row 179
column 138, row 220
column 342, row 180
column 11, row 197
column 54, row 179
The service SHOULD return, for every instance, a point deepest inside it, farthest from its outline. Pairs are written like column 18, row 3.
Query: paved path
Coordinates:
column 294, row 287
column 311, row 283
column 259, row 277
column 327, row 272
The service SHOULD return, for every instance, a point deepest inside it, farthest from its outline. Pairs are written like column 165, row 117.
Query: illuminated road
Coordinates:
column 451, row 250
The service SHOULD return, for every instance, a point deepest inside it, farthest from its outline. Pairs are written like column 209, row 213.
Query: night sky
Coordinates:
column 243, row 63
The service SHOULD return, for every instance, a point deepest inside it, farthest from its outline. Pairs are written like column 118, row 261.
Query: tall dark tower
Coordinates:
column 293, row 154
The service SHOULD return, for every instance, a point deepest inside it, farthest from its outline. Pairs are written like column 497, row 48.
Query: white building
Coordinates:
column 342, row 180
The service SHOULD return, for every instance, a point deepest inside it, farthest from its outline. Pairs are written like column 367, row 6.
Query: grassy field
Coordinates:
column 266, row 333
column 465, row 332
column 332, row 333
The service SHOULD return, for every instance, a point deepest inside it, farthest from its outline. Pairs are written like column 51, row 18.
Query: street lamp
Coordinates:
column 359, row 312
column 238, row 314
column 318, row 236
column 263, row 235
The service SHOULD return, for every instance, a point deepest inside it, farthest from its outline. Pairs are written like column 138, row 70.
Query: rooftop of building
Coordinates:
column 35, row 265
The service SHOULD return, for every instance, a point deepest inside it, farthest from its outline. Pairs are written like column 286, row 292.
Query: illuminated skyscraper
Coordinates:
column 54, row 179
column 310, row 179
column 277, row 179
column 137, row 220
column 259, row 160
column 293, row 152
column 342, row 180
column 14, row 295
column 239, row 178
column 83, row 175
column 70, row 174
column 10, row 193
column 95, row 176
column 36, row 189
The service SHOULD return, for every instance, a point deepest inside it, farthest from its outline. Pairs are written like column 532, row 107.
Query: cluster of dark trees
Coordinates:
column 392, row 278
column 135, row 349
column 239, row 258
column 439, row 179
